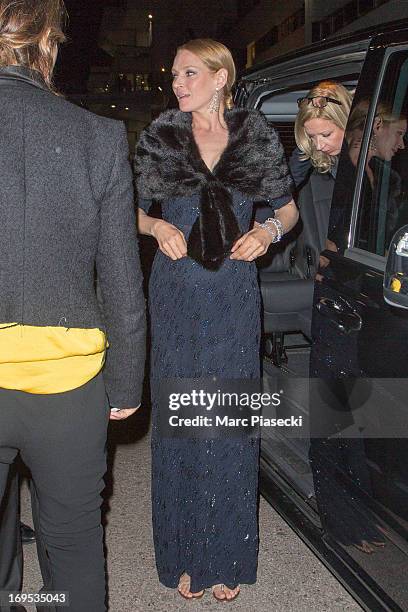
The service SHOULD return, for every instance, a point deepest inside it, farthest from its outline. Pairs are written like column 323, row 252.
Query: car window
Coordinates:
column 383, row 205
column 280, row 108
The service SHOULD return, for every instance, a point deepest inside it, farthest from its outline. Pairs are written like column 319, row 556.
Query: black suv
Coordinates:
column 341, row 338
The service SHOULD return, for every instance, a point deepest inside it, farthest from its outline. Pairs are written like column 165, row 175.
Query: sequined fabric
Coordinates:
column 204, row 492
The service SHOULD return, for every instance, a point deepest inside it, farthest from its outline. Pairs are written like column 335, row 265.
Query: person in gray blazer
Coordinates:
column 68, row 353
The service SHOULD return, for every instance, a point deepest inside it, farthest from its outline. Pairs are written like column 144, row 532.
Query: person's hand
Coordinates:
column 324, row 261
column 170, row 239
column 251, row 245
column 123, row 413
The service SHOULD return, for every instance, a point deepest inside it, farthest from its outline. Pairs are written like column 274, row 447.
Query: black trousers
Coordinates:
column 62, row 439
column 11, row 552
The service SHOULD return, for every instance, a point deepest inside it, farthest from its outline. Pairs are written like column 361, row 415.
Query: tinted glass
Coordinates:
column 383, row 204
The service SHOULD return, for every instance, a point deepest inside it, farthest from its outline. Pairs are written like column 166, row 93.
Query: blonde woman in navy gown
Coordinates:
column 207, row 163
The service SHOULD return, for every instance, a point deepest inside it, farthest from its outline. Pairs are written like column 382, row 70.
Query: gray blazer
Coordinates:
column 66, row 210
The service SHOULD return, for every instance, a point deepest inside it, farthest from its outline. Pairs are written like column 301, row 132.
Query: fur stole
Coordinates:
column 168, row 164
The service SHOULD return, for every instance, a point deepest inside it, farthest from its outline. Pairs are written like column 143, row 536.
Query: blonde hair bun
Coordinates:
column 215, row 56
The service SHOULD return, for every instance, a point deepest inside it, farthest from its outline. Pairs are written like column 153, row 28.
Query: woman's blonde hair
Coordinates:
column 336, row 113
column 30, row 32
column 215, row 56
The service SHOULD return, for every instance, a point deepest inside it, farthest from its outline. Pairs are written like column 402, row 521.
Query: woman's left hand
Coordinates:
column 251, row 245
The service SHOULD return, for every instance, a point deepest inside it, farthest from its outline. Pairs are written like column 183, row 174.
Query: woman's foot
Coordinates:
column 369, row 547
column 184, row 588
column 223, row 593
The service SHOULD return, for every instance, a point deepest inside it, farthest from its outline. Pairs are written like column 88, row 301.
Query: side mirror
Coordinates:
column 396, row 270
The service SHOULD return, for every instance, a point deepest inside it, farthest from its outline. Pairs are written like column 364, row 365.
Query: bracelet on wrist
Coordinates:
column 277, row 233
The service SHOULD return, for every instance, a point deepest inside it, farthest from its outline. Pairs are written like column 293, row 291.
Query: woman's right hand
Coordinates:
column 170, row 239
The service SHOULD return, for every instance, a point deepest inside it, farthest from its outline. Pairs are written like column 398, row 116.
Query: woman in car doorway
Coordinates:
column 206, row 162
column 320, row 132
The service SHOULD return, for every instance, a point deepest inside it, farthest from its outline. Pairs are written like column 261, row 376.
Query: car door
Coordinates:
column 281, row 453
column 359, row 360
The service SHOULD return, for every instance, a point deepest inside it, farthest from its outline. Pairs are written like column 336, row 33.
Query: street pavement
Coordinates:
column 290, row 577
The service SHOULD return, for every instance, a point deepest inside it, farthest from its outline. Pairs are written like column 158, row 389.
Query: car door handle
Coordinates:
column 341, row 314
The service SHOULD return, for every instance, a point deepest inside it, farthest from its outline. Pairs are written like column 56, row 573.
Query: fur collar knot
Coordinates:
column 168, row 164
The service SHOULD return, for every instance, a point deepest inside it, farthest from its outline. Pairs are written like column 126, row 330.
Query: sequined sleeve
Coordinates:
column 264, row 210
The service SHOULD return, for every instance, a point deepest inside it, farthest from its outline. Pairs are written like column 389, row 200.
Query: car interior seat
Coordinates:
column 287, row 273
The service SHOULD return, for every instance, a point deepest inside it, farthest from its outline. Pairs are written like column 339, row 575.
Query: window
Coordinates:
column 364, row 6
column 267, row 41
column 342, row 17
column 384, row 196
column 338, row 20
column 250, row 54
column 350, row 12
column 245, row 6
column 280, row 31
column 326, row 27
column 316, row 31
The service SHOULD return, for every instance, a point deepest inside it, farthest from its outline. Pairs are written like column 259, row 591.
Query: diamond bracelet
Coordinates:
column 278, row 227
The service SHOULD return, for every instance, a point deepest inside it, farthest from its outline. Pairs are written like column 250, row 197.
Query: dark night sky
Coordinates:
column 78, row 52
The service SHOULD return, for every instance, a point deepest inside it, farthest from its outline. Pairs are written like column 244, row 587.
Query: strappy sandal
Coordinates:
column 186, row 580
column 225, row 598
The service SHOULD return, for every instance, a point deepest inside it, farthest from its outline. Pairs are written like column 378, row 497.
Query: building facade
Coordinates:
column 130, row 73
column 130, row 76
column 266, row 28
column 120, row 77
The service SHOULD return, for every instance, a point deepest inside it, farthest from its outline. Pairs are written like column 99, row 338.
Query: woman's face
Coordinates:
column 389, row 138
column 325, row 135
column 193, row 83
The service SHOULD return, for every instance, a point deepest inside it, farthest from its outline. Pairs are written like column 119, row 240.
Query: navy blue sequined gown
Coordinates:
column 204, row 492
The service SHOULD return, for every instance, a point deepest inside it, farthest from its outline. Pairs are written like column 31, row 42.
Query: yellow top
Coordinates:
column 47, row 360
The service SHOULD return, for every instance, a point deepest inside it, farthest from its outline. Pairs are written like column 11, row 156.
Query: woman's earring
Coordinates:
column 215, row 102
column 373, row 143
